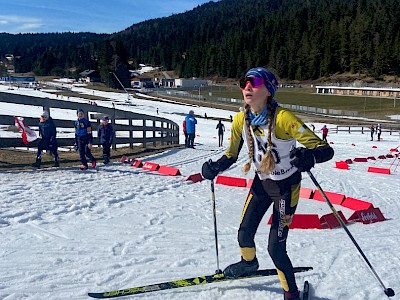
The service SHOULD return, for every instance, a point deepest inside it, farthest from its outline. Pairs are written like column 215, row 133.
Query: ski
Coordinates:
column 200, row 280
column 306, row 290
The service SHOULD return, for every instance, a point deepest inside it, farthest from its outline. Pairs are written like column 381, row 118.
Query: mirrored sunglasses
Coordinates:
column 254, row 81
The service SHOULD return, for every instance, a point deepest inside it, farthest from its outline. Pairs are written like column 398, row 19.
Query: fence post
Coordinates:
column 154, row 133
column 130, row 134
column 349, row 130
column 162, row 133
column 144, row 133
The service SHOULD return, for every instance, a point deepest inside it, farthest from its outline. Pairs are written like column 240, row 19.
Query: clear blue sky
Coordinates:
column 100, row 16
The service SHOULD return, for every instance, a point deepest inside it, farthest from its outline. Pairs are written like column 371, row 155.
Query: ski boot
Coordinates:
column 93, row 164
column 37, row 163
column 292, row 296
column 83, row 167
column 56, row 164
column 106, row 159
column 241, row 268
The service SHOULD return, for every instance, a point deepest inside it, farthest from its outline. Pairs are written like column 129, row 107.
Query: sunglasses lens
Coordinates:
column 254, row 81
column 257, row 82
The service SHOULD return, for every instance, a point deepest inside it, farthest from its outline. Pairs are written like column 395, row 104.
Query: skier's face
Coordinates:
column 80, row 115
column 256, row 97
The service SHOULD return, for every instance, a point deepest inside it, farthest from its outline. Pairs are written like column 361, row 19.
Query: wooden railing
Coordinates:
column 139, row 128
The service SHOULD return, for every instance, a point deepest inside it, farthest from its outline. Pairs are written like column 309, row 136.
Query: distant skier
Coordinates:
column 84, row 139
column 48, row 132
column 324, row 131
column 221, row 130
column 379, row 131
column 105, row 134
column 191, row 128
column 372, row 129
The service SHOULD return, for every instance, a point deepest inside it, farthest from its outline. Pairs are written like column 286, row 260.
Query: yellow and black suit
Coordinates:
column 280, row 188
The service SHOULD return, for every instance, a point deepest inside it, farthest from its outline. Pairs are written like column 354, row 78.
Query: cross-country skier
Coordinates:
column 221, row 130
column 270, row 133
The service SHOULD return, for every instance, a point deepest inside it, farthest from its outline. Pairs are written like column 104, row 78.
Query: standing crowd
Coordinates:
column 83, row 139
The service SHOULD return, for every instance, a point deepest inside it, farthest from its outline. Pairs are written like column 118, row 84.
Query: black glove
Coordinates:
column 304, row 159
column 210, row 169
column 76, row 148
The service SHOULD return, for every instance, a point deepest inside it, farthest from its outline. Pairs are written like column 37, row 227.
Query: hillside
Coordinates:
column 300, row 40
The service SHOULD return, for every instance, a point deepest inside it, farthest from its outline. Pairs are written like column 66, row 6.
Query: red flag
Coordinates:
column 28, row 135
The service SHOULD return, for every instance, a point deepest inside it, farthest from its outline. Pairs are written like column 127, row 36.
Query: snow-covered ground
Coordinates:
column 65, row 232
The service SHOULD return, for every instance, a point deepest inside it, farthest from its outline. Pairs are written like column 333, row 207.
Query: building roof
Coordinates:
column 88, row 72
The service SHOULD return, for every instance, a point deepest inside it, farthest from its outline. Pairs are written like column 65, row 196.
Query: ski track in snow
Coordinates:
column 65, row 232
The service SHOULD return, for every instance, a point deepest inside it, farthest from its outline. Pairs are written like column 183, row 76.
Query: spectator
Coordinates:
column 221, row 130
column 84, row 139
column 191, row 128
column 324, row 131
column 48, row 133
column 379, row 131
column 185, row 133
column 313, row 127
column 105, row 133
column 372, row 129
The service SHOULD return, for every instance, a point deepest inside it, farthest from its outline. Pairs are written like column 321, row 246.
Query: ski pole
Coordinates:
column 218, row 271
column 388, row 291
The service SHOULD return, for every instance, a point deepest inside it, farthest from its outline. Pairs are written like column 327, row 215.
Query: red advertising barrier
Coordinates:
column 374, row 147
column 169, row 171
column 123, row 159
column 371, row 158
column 348, row 161
column 393, row 150
column 360, row 159
column 334, row 198
column 389, row 156
column 249, row 183
column 382, row 157
column 306, row 193
column 137, row 163
column 331, row 143
column 231, row 181
column 306, row 221
column 150, row 166
column 379, row 170
column 356, row 204
column 195, row 178
column 342, row 165
column 330, row 221
column 367, row 216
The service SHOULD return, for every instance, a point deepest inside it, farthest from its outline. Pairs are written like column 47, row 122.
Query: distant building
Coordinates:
column 359, row 91
column 90, row 76
column 183, row 83
column 139, row 81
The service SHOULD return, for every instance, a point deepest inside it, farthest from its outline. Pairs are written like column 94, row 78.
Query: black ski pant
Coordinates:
column 52, row 149
column 190, row 143
column 284, row 196
column 220, row 139
column 84, row 151
column 106, row 149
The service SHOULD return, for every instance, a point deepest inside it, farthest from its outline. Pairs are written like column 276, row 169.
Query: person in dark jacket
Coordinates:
column 105, row 133
column 221, row 130
column 191, row 128
column 84, row 139
column 48, row 133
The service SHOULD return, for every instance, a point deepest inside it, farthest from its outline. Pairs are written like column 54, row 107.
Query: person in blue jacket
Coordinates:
column 48, row 133
column 191, row 128
column 105, row 134
column 84, row 139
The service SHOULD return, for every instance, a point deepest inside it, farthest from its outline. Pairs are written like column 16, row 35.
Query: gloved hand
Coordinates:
column 304, row 159
column 210, row 169
column 76, row 148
